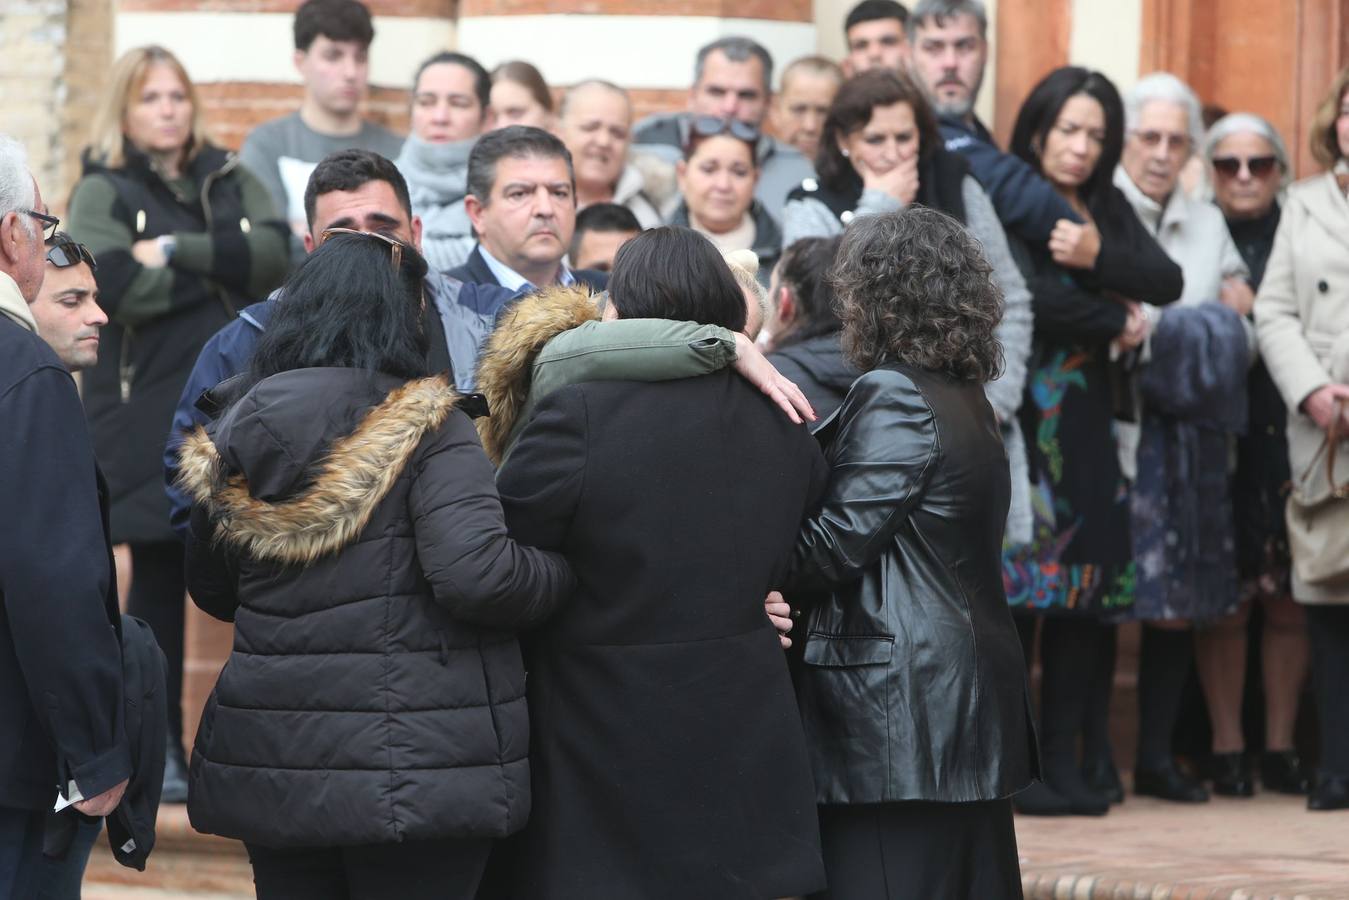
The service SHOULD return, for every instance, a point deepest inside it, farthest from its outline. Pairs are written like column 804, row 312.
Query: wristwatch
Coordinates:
column 167, row 245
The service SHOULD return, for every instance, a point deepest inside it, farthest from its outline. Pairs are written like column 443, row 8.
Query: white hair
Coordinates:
column 1166, row 88
column 17, row 191
column 1248, row 123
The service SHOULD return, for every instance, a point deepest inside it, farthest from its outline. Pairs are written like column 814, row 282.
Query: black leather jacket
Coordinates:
column 913, row 686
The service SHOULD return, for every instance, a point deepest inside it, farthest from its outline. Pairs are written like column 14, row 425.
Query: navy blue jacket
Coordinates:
column 467, row 310
column 1026, row 203
column 60, row 661
column 476, row 271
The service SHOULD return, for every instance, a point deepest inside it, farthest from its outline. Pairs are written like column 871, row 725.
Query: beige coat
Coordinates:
column 1302, row 319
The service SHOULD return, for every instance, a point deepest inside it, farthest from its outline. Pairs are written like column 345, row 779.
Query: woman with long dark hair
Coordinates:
column 912, row 688
column 1078, row 569
column 677, row 503
column 369, row 727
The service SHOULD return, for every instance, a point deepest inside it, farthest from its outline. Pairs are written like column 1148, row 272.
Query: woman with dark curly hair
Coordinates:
column 912, row 688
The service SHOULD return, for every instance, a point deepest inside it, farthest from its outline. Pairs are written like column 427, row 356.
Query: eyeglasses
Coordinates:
column 49, row 223
column 1174, row 142
column 396, row 246
column 63, row 251
column 1258, row 166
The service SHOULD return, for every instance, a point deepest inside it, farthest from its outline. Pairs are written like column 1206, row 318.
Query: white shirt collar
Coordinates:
column 513, row 280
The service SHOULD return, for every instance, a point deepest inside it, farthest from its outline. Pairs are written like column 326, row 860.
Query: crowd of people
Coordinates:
column 633, row 407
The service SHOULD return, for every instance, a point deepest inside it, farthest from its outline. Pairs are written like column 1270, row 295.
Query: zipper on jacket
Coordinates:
column 126, row 369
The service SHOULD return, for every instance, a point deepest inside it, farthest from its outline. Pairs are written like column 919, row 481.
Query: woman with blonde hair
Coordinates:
column 184, row 237
column 1301, row 314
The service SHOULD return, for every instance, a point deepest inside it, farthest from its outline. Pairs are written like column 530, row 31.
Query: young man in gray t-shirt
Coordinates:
column 332, row 44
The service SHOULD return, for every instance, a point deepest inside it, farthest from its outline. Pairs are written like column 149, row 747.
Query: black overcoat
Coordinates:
column 668, row 755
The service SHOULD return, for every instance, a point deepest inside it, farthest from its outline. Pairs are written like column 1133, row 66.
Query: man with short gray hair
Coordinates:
column 61, row 717
column 732, row 79
column 948, row 42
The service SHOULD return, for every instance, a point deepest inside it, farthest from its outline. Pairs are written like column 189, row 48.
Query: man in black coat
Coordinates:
column 522, row 203
column 60, row 664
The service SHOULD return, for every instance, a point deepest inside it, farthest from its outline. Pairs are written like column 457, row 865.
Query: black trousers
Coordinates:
column 159, row 597
column 1328, row 630
column 414, row 870
column 920, row 851
column 20, row 851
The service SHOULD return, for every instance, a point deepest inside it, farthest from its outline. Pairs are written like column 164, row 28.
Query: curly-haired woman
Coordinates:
column 913, row 689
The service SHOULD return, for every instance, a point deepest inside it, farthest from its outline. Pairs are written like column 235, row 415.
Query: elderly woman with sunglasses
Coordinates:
column 880, row 152
column 717, row 178
column 185, row 237
column 1250, row 166
column 1193, row 369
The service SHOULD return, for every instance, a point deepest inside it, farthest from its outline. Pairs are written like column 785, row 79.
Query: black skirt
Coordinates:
column 913, row 850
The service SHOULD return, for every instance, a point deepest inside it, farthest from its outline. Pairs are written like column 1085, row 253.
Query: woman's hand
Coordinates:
column 780, row 614
column 901, row 182
column 1321, row 404
column 1075, row 246
column 755, row 368
column 149, row 253
column 1135, row 327
column 1236, row 295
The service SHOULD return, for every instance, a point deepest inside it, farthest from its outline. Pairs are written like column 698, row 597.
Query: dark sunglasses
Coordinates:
column 396, row 246
column 1258, row 166
column 64, row 251
column 713, row 126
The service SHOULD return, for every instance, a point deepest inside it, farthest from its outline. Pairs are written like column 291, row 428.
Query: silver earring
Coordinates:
column 845, row 154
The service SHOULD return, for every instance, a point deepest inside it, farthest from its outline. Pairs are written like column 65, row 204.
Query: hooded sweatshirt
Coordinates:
column 437, row 177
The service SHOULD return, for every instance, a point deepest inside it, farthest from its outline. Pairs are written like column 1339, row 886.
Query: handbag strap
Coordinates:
column 1328, row 447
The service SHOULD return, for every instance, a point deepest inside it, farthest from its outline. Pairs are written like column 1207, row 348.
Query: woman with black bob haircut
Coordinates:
column 913, row 690
column 1078, row 571
column 345, row 520
column 677, row 503
column 674, row 273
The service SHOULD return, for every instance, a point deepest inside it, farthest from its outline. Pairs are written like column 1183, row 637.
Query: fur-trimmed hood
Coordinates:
column 506, row 365
column 294, row 470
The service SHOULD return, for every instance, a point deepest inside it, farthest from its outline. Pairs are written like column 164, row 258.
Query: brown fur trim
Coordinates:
column 348, row 484
column 506, row 364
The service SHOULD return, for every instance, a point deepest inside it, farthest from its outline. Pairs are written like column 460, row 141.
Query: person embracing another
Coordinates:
column 913, row 689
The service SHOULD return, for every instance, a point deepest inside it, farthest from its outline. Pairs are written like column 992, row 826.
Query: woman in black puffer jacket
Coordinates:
column 369, row 729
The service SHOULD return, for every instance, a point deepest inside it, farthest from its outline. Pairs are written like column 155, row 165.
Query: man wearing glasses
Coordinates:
column 61, row 718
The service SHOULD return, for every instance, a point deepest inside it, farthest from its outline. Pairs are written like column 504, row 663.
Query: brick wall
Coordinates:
column 32, row 44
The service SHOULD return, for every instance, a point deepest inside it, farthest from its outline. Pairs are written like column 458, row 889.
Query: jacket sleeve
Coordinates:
column 249, row 262
column 212, row 570
column 54, row 578
column 130, row 293
column 225, row 355
column 807, row 217
column 1289, row 356
column 478, row 572
column 1026, row 203
column 881, row 461
column 541, row 481
column 1066, row 310
column 1131, row 262
column 631, row 350
column 1017, row 324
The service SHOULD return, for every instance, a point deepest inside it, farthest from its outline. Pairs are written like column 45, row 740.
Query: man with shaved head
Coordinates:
column 595, row 122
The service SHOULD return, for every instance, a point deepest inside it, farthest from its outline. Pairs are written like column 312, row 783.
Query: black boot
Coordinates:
column 1163, row 663
column 1331, row 792
column 175, row 775
column 1066, row 658
column 1040, row 800
column 1232, row 775
column 1098, row 759
column 1281, row 770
